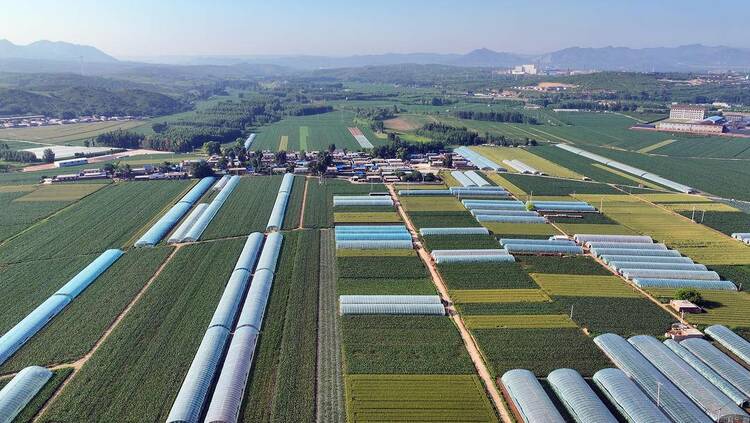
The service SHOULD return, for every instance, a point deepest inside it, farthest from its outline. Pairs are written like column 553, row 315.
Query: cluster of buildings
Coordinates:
column 41, row 120
column 694, row 119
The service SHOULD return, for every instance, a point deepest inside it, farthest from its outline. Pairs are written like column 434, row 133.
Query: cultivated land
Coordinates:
column 71, row 134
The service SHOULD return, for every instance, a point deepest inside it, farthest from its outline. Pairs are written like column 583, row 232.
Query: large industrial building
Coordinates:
column 691, row 118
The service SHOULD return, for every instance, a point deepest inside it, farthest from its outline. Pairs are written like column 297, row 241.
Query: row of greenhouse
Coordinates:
column 472, row 256
column 21, row 390
column 652, row 265
column 391, row 305
column 522, row 167
column 541, row 246
column 276, row 220
column 373, row 237
column 362, row 200
column 742, row 236
column 629, row 169
column 669, row 381
column 193, row 227
column 472, row 191
column 155, row 234
column 214, row 385
column 470, row 179
column 477, row 159
column 18, row 335
column 249, row 141
column 502, row 211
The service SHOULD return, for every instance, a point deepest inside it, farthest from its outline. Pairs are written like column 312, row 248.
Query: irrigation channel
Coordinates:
column 469, row 341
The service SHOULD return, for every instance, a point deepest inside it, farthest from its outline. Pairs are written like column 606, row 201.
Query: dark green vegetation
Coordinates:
column 540, row 350
column 282, row 383
column 739, row 274
column 319, row 205
column 380, row 267
column 404, row 345
column 136, row 373
column 576, row 265
column 624, row 316
column 294, row 207
column 35, row 405
column 546, row 307
column 486, row 276
column 75, row 331
column 362, row 286
column 579, row 165
column 18, row 215
column 587, row 218
column 455, row 242
column 539, row 185
column 109, row 218
column 247, row 209
column 442, row 219
column 726, row 222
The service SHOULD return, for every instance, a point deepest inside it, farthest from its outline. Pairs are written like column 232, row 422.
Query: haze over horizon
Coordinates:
column 140, row 29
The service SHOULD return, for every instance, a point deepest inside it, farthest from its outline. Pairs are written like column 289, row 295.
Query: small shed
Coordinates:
column 684, row 306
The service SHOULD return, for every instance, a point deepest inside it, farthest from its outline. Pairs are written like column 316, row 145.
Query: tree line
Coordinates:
column 508, row 117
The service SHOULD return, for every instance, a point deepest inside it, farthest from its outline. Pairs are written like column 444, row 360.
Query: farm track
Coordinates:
column 304, row 204
column 78, row 364
column 329, row 386
column 469, row 342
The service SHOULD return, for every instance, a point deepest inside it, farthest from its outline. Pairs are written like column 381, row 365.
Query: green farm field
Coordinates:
column 312, row 133
column 247, row 209
column 155, row 342
column 71, row 134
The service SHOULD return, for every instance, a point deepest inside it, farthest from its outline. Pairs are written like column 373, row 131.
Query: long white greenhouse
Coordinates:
column 21, row 390
column 628, row 398
column 529, row 399
column 578, row 398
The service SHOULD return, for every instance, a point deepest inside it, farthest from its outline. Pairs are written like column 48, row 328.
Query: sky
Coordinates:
column 140, row 28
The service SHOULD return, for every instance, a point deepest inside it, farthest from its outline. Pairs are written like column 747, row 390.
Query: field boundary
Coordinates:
column 469, row 342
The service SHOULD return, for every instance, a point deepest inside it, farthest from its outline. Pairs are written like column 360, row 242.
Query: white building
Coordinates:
column 687, row 112
column 524, row 70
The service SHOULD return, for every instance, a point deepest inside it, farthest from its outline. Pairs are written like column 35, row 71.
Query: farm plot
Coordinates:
column 498, row 295
column 319, row 203
column 540, row 350
column 722, row 221
column 379, row 398
column 702, row 244
column 443, row 219
column 75, row 331
column 156, row 342
column 363, row 286
column 403, row 345
column 624, row 316
column 525, row 308
column 24, row 205
column 432, row 204
column 457, row 242
column 106, row 219
column 71, row 134
column 721, row 147
column 282, row 383
column 247, row 209
column 485, row 276
column 584, row 285
column 367, row 217
column 595, row 228
column 519, row 321
column 540, row 185
column 375, row 267
column 294, row 206
column 514, row 229
column 721, row 307
column 499, row 154
column 312, row 133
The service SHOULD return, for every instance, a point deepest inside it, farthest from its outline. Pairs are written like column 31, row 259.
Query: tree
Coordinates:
column 126, row 171
column 165, row 167
column 201, row 169
column 331, row 148
column 159, row 127
column 281, row 157
column 689, row 294
column 48, row 155
column 109, row 168
column 212, row 147
column 87, row 143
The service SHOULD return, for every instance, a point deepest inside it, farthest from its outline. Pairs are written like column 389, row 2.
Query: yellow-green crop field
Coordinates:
column 366, row 217
column 417, row 398
column 696, row 241
column 449, row 179
column 512, row 188
column 61, row 192
column 520, row 228
column 699, row 207
column 498, row 154
column 584, row 285
column 594, row 228
column 727, row 308
column 431, row 204
column 519, row 321
column 498, row 295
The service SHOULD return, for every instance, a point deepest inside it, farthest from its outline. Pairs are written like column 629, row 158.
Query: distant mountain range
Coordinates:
column 53, row 51
column 695, row 57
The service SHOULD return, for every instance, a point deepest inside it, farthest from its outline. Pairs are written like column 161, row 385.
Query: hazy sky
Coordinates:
column 337, row 27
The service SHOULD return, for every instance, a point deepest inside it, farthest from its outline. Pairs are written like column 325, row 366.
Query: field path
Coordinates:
column 77, row 365
column 469, row 341
column 304, row 203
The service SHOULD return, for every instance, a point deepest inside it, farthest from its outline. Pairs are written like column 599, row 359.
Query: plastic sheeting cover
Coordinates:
column 630, row 401
column 163, row 225
column 463, row 179
column 205, row 218
column 230, row 388
column 255, row 303
column 634, row 252
column 496, row 258
column 727, row 388
column 17, row 336
column 529, row 398
column 270, row 254
column 417, row 309
column 685, row 283
column 373, row 236
column 21, row 390
column 704, row 275
column 374, row 245
column 476, row 178
column 543, row 248
column 583, row 238
column 389, row 299
column 184, row 228
column 578, row 397
column 454, row 231
column 609, row 258
column 672, row 401
column 731, row 341
column 510, row 219
column 198, row 190
column 621, row 265
column 693, row 384
column 727, row 368
column 192, row 396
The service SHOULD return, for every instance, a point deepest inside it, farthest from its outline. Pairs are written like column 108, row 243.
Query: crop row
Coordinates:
column 106, row 219
column 486, row 276
column 457, row 242
column 443, row 219
column 294, row 207
column 538, row 185
column 385, row 267
column 247, row 209
column 319, row 202
column 41, row 397
column 584, row 285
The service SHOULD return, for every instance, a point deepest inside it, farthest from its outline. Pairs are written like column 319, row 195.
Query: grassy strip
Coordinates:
column 498, row 295
column 584, row 285
column 519, row 321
